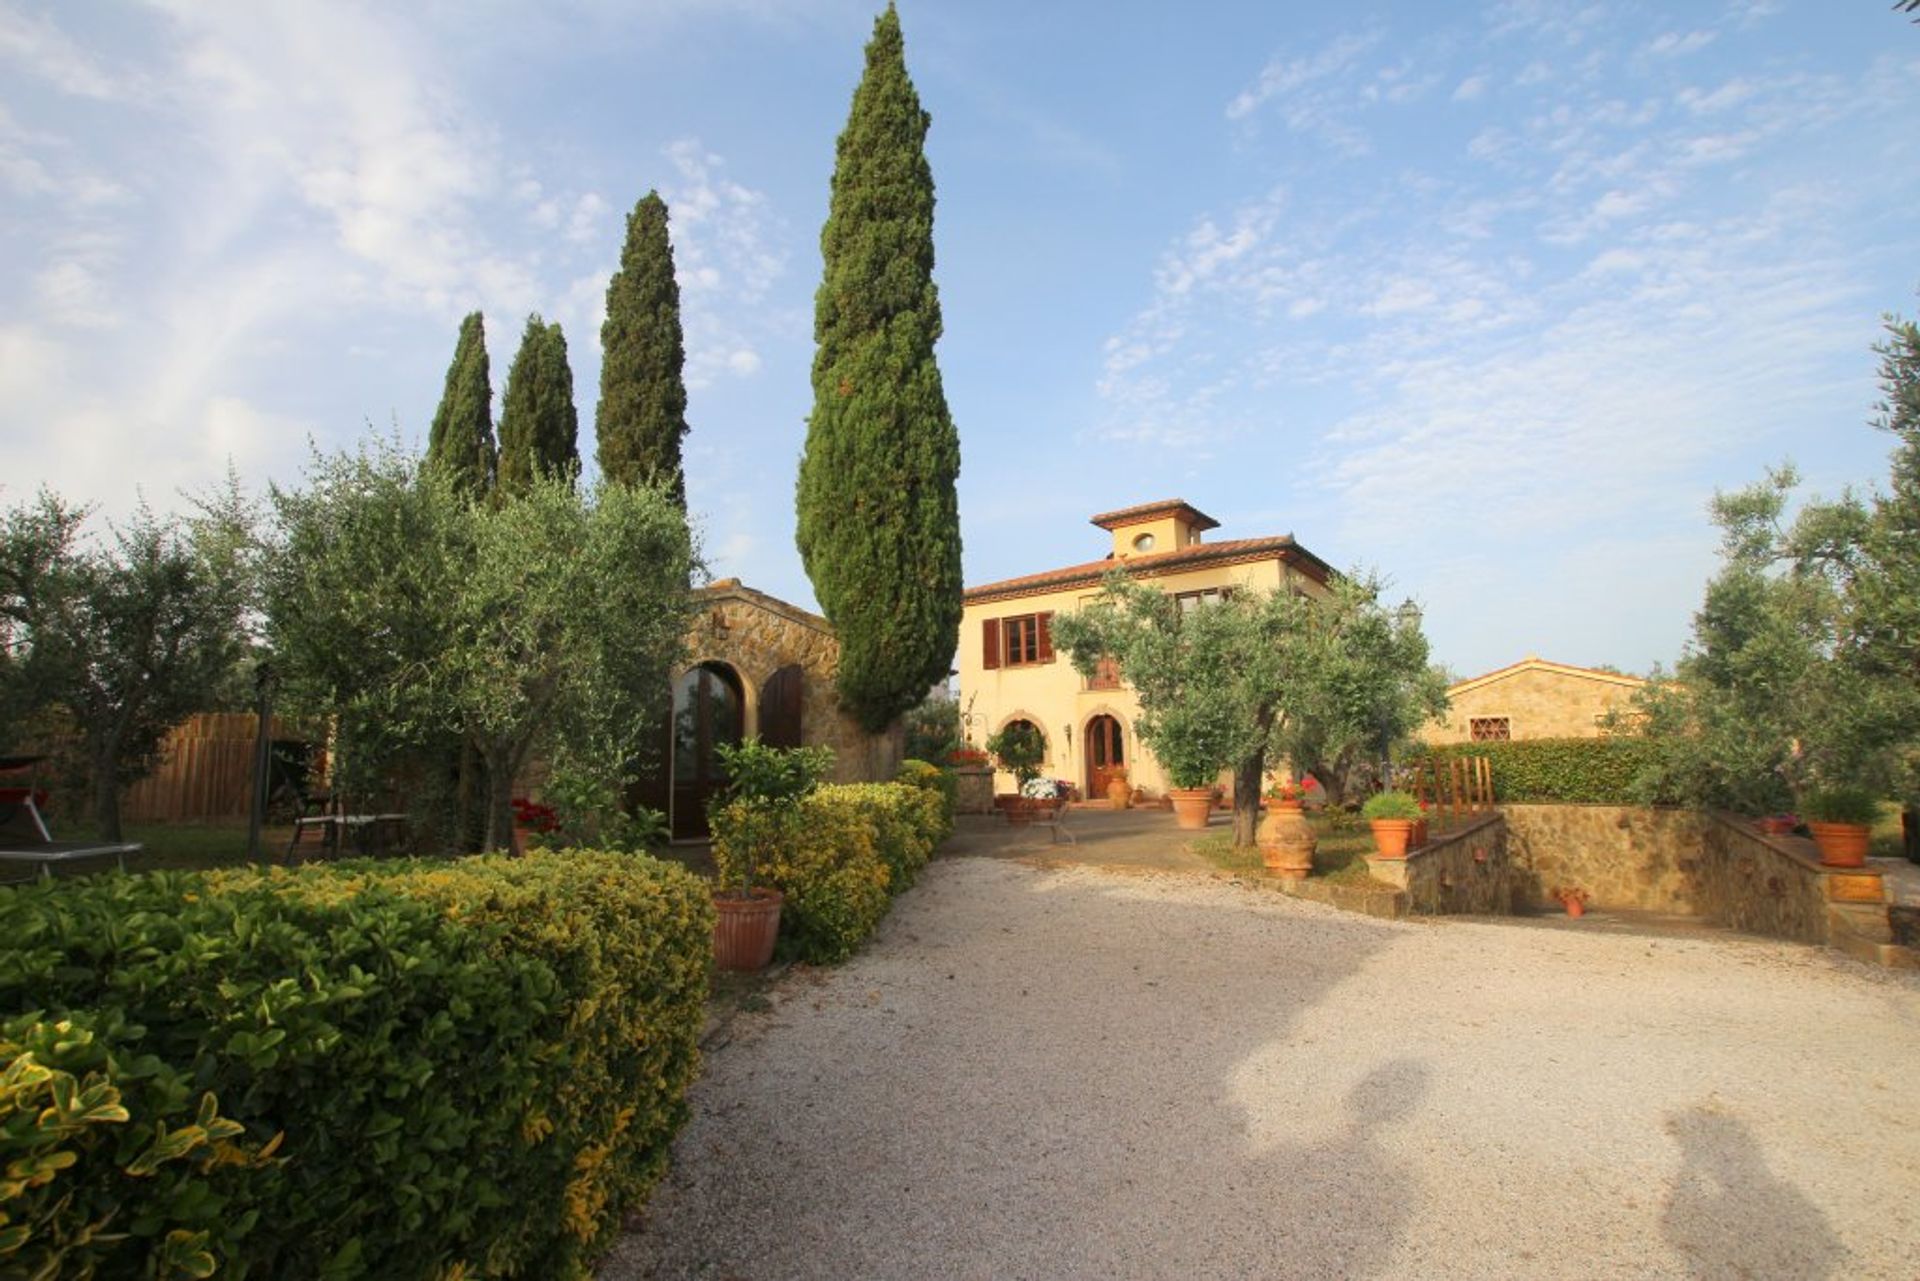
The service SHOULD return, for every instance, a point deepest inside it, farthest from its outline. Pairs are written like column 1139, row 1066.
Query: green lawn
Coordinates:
column 1339, row 857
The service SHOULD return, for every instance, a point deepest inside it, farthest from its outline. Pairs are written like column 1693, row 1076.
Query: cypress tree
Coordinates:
column 642, row 414
column 879, row 521
column 538, row 423
column 462, row 436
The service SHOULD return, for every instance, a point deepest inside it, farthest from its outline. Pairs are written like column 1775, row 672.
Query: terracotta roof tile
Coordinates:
column 1151, row 565
column 1126, row 515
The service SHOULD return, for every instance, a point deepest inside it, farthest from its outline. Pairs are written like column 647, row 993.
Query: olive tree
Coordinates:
column 121, row 637
column 548, row 625
column 1259, row 674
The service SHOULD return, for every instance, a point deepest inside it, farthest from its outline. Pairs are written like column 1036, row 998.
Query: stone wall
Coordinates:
column 1757, row 883
column 1622, row 856
column 973, row 790
column 1467, row 871
column 1539, row 700
column 757, row 635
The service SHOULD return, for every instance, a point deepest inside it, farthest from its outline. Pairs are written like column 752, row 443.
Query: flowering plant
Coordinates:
column 540, row 818
column 1041, row 789
column 1571, row 894
column 967, row 756
column 1285, row 792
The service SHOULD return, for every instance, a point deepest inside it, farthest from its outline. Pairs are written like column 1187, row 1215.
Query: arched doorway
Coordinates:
column 1106, row 753
column 708, row 711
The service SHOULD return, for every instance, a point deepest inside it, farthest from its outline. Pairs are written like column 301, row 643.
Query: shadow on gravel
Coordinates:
column 1041, row 1076
column 1730, row 1216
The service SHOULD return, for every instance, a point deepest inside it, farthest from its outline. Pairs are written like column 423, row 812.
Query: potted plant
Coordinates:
column 1573, row 898
column 1391, row 815
column 764, row 786
column 531, row 822
column 1286, row 796
column 1019, row 749
column 1841, row 821
column 1286, row 838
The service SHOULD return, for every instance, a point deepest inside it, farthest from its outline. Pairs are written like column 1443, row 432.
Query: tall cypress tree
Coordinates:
column 642, row 414
column 462, row 436
column 879, row 520
column 538, row 423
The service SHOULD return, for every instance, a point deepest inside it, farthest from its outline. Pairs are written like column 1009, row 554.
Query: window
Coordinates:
column 1489, row 729
column 1190, row 601
column 1144, row 543
column 1106, row 674
column 1023, row 640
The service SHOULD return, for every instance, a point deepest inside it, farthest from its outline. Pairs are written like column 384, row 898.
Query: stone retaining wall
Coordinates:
column 1621, row 855
column 1466, row 871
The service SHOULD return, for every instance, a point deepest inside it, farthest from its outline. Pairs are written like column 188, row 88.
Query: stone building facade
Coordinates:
column 756, row 666
column 1532, row 698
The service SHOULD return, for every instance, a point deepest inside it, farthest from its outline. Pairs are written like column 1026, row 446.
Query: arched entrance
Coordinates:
column 708, row 710
column 1106, row 753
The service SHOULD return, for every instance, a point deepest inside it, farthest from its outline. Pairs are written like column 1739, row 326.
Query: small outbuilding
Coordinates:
column 1533, row 698
column 756, row 666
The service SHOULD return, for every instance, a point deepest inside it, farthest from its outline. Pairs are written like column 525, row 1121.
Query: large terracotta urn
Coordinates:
column 1119, row 793
column 744, row 928
column 1287, row 841
column 1191, row 806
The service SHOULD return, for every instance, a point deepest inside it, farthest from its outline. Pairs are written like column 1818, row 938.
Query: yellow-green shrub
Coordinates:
column 908, row 823
column 475, row 1066
column 837, row 855
column 941, row 782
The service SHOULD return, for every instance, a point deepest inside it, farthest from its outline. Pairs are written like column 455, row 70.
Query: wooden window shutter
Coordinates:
column 1045, row 629
column 780, row 708
column 990, row 644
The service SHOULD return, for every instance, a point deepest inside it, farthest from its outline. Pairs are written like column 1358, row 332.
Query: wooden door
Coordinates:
column 707, row 712
column 780, row 708
column 1106, row 754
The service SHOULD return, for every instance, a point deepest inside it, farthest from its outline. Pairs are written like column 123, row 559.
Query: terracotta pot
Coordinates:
column 1119, row 795
column 744, row 929
column 1775, row 825
column 521, row 834
column 1390, row 836
column 1841, row 844
column 1287, row 841
column 1191, row 806
column 1575, row 907
column 1275, row 804
column 1019, row 809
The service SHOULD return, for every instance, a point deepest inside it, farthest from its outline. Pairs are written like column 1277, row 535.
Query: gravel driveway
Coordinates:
column 1075, row 1073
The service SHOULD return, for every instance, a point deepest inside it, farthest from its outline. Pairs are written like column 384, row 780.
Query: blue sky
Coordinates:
column 1490, row 297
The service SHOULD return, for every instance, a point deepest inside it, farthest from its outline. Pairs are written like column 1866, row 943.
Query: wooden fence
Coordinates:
column 1455, row 785
column 206, row 770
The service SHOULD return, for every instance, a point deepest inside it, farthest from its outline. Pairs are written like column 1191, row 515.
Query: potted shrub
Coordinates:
column 1019, row 749
column 764, row 787
column 1573, row 898
column 1286, row 838
column 1841, row 821
column 1392, row 816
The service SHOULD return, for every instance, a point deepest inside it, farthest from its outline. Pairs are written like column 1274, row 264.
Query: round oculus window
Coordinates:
column 1144, row 543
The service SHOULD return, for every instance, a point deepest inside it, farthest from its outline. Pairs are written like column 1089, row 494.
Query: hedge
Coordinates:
column 941, row 782
column 433, row 1069
column 838, row 855
column 1588, row 771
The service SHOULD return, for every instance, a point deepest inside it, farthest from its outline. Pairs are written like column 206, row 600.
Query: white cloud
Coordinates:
column 1675, row 44
column 728, row 252
column 1471, row 89
column 1283, row 76
column 36, row 45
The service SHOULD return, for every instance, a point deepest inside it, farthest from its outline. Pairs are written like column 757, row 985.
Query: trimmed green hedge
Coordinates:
column 838, row 855
column 942, row 782
column 1581, row 771
column 433, row 1069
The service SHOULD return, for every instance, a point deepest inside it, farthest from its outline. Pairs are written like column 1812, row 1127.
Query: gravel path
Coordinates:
column 1073, row 1073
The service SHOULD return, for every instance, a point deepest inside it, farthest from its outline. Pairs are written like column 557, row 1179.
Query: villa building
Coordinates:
column 1532, row 698
column 1008, row 668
